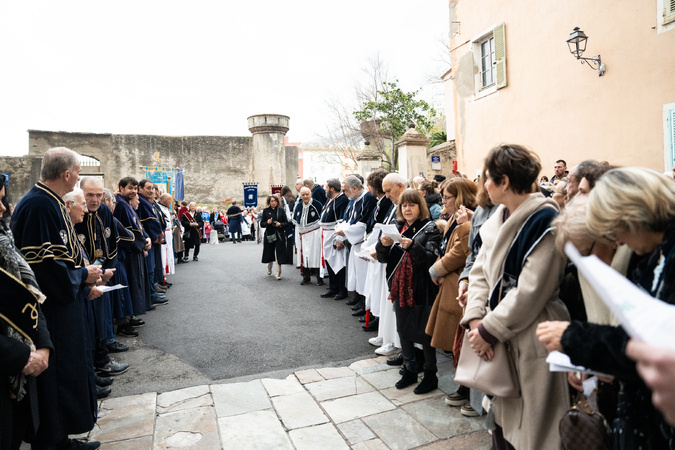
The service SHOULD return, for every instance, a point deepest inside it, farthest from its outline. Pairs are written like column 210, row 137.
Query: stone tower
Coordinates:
column 268, row 150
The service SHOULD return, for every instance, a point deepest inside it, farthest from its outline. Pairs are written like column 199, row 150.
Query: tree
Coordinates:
column 391, row 113
column 438, row 138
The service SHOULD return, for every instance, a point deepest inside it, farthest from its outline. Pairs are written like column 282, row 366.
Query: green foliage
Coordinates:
column 438, row 138
column 396, row 110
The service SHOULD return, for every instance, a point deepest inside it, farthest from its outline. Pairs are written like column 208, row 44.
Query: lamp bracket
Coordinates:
column 594, row 63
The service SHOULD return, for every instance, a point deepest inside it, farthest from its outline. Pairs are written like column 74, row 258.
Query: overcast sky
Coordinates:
column 202, row 67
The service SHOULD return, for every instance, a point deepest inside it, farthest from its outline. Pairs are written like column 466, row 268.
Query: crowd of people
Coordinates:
column 465, row 267
column 479, row 267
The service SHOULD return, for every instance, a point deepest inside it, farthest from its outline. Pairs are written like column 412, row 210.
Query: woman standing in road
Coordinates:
column 274, row 221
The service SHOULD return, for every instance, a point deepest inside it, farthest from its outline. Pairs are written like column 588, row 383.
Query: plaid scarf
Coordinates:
column 401, row 283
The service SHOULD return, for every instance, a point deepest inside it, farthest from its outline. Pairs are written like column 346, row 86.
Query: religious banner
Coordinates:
column 251, row 195
column 276, row 188
column 160, row 177
column 178, row 186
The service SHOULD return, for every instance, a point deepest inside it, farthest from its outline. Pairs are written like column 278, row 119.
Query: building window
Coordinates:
column 669, row 135
column 668, row 11
column 489, row 50
column 487, row 62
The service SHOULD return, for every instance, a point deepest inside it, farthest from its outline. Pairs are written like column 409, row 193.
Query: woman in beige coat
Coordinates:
column 446, row 312
column 513, row 287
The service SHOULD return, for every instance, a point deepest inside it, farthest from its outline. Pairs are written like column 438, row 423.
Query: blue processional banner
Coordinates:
column 251, row 195
column 179, row 186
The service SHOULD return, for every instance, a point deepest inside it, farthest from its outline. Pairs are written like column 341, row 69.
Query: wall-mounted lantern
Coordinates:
column 577, row 45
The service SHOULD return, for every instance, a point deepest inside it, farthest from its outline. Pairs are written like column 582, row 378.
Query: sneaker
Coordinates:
column 456, row 399
column 75, row 444
column 116, row 347
column 387, row 349
column 159, row 288
column 468, row 411
column 376, row 341
column 112, row 368
column 160, row 301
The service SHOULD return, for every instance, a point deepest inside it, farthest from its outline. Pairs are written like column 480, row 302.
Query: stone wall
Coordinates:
column 23, row 172
column 448, row 153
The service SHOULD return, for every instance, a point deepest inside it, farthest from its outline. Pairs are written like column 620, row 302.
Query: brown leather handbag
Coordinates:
column 583, row 426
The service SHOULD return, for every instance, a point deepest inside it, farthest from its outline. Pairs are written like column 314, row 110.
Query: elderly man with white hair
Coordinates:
column 44, row 233
column 306, row 218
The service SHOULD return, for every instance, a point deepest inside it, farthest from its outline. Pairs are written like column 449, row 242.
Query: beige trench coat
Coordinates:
column 446, row 312
column 531, row 421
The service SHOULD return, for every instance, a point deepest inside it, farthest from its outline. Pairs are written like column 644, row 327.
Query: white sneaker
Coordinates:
column 376, row 341
column 387, row 349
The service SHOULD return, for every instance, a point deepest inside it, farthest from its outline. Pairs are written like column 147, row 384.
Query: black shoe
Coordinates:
column 74, row 444
column 341, row 296
column 357, row 307
column 353, row 301
column 320, row 282
column 151, row 308
column 160, row 301
column 328, row 294
column 113, row 368
column 104, row 381
column 395, row 360
column 166, row 284
column 185, row 260
column 126, row 330
column 116, row 347
column 305, row 281
column 362, row 319
column 102, row 392
column 136, row 323
column 407, row 379
column 195, row 259
column 372, row 326
column 428, row 384
column 359, row 312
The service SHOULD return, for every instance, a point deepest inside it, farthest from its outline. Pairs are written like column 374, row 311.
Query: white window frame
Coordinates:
column 665, row 15
column 668, row 136
column 481, row 91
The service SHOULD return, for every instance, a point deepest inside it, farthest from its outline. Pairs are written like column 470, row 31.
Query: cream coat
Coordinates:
column 531, row 421
column 446, row 312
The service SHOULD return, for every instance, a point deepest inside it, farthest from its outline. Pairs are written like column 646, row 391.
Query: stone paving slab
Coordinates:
column 298, row 410
column 325, row 437
column 254, row 430
column 442, row 420
column 373, row 444
column 335, row 372
column 308, row 376
column 181, row 399
column 356, row 406
column 194, row 428
column 356, row 431
column 239, row 398
column 144, row 442
column 125, row 418
column 399, row 430
column 338, row 387
column 289, row 385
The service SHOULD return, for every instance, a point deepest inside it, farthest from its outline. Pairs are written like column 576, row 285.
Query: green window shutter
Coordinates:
column 668, row 11
column 500, row 55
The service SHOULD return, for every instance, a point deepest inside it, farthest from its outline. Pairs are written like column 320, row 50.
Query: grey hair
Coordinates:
column 72, row 195
column 395, row 178
column 353, row 182
column 93, row 180
column 56, row 161
column 107, row 194
column 334, row 183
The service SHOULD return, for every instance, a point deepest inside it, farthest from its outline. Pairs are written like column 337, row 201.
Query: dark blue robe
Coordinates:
column 44, row 234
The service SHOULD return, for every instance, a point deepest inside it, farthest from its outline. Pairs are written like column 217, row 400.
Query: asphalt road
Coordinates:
column 228, row 321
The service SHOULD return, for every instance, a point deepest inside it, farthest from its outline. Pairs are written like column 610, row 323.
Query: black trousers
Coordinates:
column 336, row 281
column 408, row 346
column 188, row 246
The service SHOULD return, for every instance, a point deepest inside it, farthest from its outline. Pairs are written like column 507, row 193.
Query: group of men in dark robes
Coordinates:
column 117, row 242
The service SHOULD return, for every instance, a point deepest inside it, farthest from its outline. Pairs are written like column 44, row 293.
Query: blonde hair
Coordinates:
column 571, row 225
column 632, row 199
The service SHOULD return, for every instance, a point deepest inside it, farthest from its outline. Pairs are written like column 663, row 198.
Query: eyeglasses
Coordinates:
column 447, row 199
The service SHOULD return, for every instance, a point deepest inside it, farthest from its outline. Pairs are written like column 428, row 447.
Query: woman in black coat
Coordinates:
column 192, row 223
column 410, row 285
column 274, row 221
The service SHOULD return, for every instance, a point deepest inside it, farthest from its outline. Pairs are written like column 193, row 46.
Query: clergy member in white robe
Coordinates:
column 306, row 218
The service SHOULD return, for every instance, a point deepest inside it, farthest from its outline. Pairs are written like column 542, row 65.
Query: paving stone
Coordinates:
column 382, row 359
column 144, row 442
column 290, row 385
column 125, row 418
column 407, row 395
column 442, row 420
column 446, row 382
column 475, row 441
column 356, row 406
column 188, row 428
column 373, row 444
column 335, row 372
column 383, row 379
column 338, row 387
column 298, row 410
column 239, row 398
column 373, row 368
column 308, row 376
column 254, row 430
column 399, row 430
column 363, row 363
column 355, row 431
column 192, row 397
column 320, row 436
